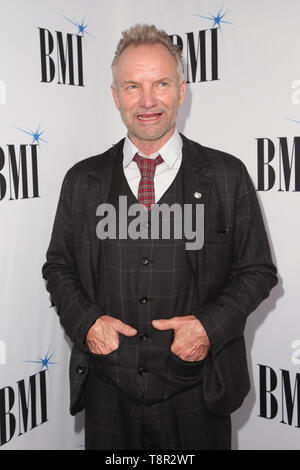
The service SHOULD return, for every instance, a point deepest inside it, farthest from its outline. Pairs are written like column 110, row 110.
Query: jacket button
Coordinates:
column 144, row 300
column 145, row 261
column 81, row 369
column 142, row 371
column 143, row 337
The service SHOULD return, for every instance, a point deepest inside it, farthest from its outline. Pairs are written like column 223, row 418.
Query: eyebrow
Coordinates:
column 127, row 82
column 132, row 82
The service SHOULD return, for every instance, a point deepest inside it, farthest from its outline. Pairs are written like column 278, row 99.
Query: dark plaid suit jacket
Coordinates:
column 234, row 270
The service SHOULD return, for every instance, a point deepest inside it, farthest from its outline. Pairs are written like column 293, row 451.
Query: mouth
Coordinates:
column 149, row 117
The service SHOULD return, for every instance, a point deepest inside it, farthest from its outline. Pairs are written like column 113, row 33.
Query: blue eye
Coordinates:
column 131, row 87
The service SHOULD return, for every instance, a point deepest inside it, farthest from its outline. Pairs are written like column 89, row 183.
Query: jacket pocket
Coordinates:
column 103, row 356
column 119, row 367
column 184, row 370
column 105, row 366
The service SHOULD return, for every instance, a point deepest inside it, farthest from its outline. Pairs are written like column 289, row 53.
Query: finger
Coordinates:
column 166, row 324
column 125, row 329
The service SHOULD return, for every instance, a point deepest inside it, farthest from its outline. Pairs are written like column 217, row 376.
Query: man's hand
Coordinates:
column 191, row 342
column 103, row 336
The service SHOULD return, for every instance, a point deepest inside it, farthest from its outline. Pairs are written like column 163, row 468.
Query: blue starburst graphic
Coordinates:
column 81, row 27
column 35, row 134
column 44, row 361
column 217, row 19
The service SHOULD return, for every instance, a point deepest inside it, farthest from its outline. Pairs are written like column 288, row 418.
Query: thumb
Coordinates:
column 125, row 329
column 163, row 324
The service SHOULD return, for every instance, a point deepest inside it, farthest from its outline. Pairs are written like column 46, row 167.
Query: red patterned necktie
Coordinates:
column 147, row 166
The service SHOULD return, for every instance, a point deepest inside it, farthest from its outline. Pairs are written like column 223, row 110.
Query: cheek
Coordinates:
column 170, row 100
column 172, row 104
column 128, row 105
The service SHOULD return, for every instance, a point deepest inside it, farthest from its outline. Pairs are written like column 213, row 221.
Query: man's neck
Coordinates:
column 148, row 147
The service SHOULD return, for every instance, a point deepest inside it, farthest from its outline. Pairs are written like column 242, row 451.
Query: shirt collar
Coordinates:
column 170, row 152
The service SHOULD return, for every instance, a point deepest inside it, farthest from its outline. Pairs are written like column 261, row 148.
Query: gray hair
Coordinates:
column 149, row 35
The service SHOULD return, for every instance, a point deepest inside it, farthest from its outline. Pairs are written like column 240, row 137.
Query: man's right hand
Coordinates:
column 103, row 336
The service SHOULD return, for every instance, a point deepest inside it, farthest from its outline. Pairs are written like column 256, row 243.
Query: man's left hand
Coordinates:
column 191, row 342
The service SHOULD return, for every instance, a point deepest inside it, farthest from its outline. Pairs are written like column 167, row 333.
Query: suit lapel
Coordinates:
column 194, row 160
column 196, row 186
column 100, row 179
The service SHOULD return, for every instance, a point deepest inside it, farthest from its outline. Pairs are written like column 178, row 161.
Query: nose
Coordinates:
column 147, row 98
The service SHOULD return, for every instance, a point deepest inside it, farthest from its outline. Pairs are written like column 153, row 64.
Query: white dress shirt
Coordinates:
column 165, row 173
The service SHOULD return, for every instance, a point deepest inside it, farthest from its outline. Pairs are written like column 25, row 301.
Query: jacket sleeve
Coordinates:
column 252, row 273
column 76, row 312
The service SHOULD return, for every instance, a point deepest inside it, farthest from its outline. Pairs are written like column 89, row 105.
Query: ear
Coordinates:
column 182, row 92
column 115, row 96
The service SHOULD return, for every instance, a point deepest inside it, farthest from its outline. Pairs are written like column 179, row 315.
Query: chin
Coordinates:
column 152, row 136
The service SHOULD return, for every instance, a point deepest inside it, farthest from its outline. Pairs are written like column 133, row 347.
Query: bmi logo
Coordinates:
column 279, row 395
column 278, row 161
column 61, row 55
column 19, row 177
column 278, row 164
column 201, row 54
column 201, row 49
column 23, row 405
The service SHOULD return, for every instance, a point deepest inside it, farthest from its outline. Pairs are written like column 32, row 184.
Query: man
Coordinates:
column 159, row 358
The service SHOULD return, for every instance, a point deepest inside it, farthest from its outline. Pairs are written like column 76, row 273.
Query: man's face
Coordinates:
column 147, row 92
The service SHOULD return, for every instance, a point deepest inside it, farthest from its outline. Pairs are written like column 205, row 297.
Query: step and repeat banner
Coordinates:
column 243, row 97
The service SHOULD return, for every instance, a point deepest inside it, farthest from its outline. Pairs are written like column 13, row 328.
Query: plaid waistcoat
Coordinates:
column 141, row 280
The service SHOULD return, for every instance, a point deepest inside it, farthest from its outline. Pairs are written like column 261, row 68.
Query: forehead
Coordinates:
column 145, row 61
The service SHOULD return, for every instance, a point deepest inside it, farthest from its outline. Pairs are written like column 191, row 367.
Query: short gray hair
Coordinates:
column 148, row 34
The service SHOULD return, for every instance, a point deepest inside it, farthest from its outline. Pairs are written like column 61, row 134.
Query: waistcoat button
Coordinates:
column 144, row 300
column 81, row 369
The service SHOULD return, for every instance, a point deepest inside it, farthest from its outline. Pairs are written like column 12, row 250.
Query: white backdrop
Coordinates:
column 46, row 126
